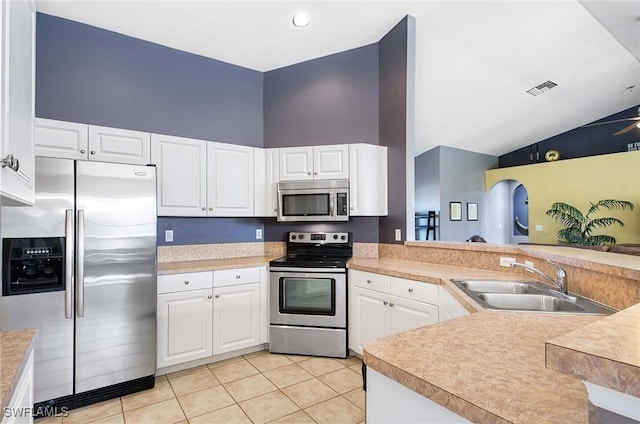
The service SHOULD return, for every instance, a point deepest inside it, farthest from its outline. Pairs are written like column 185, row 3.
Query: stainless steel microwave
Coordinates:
column 317, row 200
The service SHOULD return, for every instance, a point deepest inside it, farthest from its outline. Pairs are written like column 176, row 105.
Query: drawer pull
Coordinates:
column 410, row 290
column 217, row 296
column 238, row 276
column 385, row 303
column 209, row 297
column 391, row 305
column 186, row 281
column 369, row 281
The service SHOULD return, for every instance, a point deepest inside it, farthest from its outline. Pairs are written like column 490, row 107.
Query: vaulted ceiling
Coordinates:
column 475, row 60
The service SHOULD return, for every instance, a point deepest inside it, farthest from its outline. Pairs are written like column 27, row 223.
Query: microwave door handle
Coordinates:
column 68, row 264
column 331, row 205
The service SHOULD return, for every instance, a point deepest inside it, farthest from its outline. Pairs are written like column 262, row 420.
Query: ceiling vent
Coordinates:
column 539, row 89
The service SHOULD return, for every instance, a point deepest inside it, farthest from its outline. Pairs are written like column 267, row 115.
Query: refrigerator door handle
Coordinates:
column 68, row 265
column 80, row 265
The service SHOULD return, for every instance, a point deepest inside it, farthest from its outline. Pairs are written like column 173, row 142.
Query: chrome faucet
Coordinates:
column 561, row 276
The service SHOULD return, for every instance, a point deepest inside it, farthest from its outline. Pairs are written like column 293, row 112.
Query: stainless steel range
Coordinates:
column 308, row 295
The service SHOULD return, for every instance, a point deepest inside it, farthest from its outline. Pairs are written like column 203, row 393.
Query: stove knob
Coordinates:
column 293, row 236
column 300, row 236
column 335, row 237
column 343, row 237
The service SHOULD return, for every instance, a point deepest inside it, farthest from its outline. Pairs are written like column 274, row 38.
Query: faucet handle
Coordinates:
column 561, row 271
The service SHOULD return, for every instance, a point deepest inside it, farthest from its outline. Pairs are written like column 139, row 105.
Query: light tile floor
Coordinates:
column 255, row 388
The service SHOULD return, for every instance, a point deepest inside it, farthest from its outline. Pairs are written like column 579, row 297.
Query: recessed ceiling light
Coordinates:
column 301, row 19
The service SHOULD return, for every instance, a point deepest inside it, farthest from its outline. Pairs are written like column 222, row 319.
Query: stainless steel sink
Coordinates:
column 519, row 295
column 529, row 302
column 498, row 286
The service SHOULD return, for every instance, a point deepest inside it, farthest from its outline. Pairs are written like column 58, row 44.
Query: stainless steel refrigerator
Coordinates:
column 96, row 332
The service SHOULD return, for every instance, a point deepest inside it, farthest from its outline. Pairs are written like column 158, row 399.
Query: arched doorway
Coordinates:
column 507, row 200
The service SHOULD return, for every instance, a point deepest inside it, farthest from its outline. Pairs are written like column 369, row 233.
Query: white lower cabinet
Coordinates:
column 381, row 305
column 18, row 410
column 185, row 331
column 202, row 314
column 236, row 317
column 450, row 308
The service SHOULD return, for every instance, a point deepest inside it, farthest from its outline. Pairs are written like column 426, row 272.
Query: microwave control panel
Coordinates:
column 342, row 204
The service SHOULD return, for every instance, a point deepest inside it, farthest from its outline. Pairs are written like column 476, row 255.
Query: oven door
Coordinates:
column 304, row 298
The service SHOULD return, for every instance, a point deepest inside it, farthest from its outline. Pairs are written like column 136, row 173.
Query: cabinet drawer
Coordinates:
column 184, row 282
column 230, row 277
column 414, row 290
column 371, row 281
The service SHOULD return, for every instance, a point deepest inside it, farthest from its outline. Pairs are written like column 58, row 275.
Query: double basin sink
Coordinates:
column 507, row 295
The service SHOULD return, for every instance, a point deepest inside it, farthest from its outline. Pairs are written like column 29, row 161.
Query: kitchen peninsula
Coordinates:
column 489, row 366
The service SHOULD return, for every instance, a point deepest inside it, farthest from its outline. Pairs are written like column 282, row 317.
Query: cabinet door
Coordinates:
column 230, row 180
column 182, row 175
column 236, row 317
column 184, row 326
column 272, row 169
column 368, row 180
column 17, row 110
column 371, row 317
column 296, row 163
column 330, row 162
column 119, row 146
column 449, row 307
column 60, row 139
column 408, row 314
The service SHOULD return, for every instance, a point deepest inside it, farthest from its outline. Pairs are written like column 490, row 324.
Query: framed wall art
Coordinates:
column 455, row 211
column 472, row 211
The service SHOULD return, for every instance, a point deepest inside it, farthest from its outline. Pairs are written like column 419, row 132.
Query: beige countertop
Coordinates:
column 606, row 352
column 15, row 347
column 166, row 268
column 490, row 366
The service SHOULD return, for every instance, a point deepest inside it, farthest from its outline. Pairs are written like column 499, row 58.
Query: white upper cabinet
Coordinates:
column 17, row 108
column 273, row 178
column 70, row 140
column 60, row 139
column 117, row 145
column 331, row 162
column 368, row 184
column 230, row 179
column 296, row 163
column 317, row 162
column 182, row 175
column 266, row 178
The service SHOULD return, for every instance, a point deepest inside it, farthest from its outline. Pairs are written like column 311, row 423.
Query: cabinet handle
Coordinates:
column 238, row 276
column 83, row 151
column 217, row 296
column 369, row 281
column 210, row 208
column 93, row 152
column 186, row 281
column 315, row 173
column 385, row 303
column 10, row 162
column 410, row 290
column 308, row 173
column 204, row 209
column 391, row 305
column 209, row 297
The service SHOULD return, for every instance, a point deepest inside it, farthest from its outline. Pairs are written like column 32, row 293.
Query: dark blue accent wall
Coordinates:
column 94, row 76
column 329, row 100
column 208, row 230
column 393, row 125
column 580, row 142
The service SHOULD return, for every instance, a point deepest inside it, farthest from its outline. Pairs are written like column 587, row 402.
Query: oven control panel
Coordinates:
column 298, row 237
